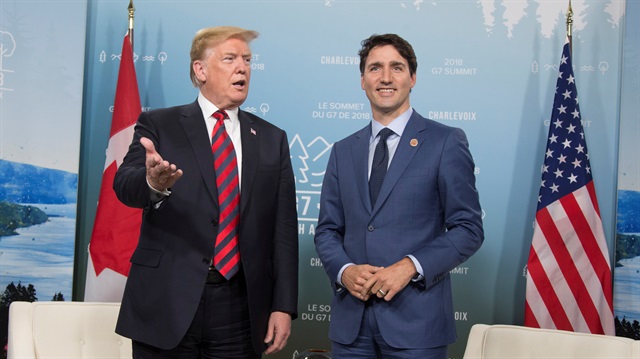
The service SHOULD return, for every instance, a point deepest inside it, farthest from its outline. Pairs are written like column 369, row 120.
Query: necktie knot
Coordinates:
column 220, row 115
column 385, row 133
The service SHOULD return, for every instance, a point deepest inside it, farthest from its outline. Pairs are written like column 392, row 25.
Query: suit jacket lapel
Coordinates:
column 412, row 138
column 250, row 137
column 360, row 155
column 196, row 129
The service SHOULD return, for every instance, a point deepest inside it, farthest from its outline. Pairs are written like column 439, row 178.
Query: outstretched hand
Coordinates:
column 161, row 174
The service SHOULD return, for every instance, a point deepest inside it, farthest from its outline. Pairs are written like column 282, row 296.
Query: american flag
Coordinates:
column 569, row 274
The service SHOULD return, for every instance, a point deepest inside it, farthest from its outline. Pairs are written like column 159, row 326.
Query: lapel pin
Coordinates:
column 413, row 142
column 253, row 132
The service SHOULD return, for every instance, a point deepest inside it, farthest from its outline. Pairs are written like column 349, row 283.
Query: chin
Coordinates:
column 238, row 100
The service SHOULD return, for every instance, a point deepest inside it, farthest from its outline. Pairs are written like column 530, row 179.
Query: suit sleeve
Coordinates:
column 286, row 238
column 130, row 182
column 461, row 210
column 331, row 223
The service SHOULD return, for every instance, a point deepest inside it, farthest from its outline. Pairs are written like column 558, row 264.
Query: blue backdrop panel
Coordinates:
column 626, row 286
column 41, row 78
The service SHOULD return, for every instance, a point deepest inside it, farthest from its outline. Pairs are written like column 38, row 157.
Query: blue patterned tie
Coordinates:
column 379, row 165
column 227, row 257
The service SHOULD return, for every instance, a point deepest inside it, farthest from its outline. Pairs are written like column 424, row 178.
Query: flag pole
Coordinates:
column 131, row 11
column 569, row 26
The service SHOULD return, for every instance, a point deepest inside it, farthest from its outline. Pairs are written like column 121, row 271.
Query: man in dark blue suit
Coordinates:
column 215, row 272
column 398, row 211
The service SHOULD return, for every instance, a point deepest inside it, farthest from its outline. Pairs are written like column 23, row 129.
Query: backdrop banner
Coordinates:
column 626, row 275
column 41, row 82
column 487, row 67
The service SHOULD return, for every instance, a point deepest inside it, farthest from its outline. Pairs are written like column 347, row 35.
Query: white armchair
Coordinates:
column 66, row 330
column 513, row 342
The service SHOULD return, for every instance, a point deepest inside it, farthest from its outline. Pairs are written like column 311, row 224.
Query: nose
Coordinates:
column 243, row 66
column 385, row 76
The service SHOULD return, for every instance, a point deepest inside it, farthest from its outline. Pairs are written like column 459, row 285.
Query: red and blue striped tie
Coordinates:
column 226, row 255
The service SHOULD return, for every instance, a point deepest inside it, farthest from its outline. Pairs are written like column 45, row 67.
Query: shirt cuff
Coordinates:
column 156, row 196
column 339, row 279
column 420, row 276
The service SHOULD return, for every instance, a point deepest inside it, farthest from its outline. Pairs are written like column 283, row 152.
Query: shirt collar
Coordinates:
column 397, row 125
column 209, row 108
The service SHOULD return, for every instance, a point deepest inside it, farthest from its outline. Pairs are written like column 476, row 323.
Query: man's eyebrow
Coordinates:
column 392, row 63
column 398, row 63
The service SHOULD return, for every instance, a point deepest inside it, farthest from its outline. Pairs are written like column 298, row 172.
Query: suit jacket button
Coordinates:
column 370, row 228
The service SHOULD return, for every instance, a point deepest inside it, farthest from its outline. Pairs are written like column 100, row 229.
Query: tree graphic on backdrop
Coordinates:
column 12, row 294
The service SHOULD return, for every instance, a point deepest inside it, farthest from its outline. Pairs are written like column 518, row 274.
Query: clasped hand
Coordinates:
column 365, row 280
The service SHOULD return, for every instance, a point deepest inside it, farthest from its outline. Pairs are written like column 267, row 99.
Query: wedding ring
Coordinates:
column 382, row 292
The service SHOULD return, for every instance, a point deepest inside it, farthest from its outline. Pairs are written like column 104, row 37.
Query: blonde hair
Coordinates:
column 210, row 37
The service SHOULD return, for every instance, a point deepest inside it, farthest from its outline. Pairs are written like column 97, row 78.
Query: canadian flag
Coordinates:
column 116, row 228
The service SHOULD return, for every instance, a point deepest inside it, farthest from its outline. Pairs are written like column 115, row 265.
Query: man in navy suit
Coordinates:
column 179, row 302
column 398, row 211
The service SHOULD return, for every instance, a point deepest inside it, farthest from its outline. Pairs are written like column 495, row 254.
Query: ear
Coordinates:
column 200, row 70
column 362, row 81
column 413, row 80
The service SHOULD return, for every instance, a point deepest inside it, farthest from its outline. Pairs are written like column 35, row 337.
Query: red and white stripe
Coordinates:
column 569, row 274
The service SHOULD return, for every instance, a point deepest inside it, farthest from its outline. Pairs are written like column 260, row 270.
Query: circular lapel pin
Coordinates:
column 413, row 142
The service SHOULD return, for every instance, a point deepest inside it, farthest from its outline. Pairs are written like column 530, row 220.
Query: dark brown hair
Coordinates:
column 400, row 44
